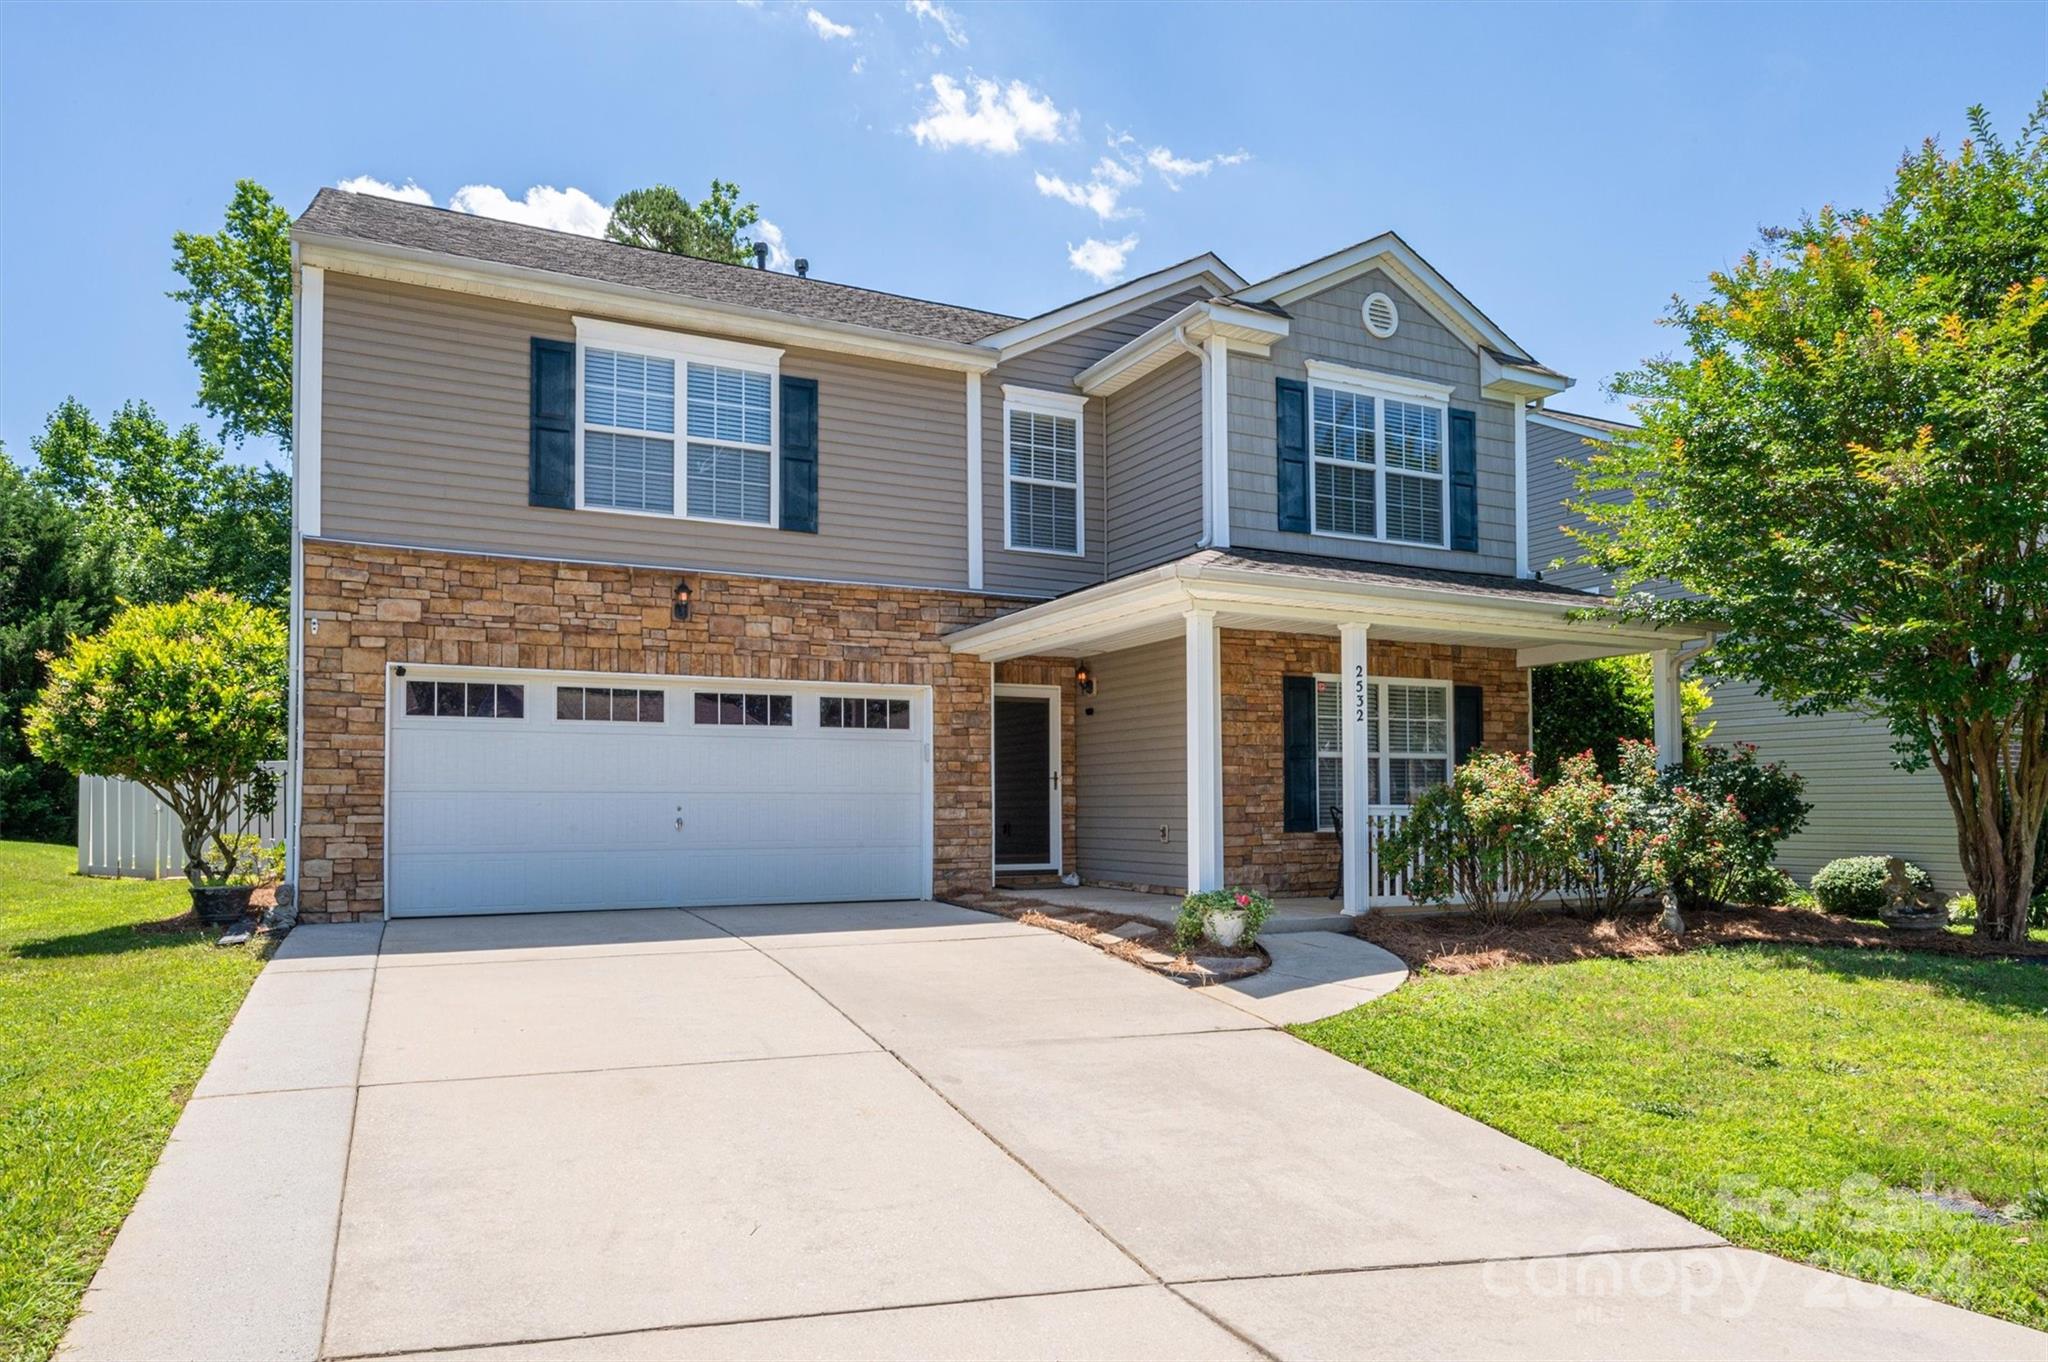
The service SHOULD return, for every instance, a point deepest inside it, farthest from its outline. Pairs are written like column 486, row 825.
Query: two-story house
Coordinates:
column 626, row 579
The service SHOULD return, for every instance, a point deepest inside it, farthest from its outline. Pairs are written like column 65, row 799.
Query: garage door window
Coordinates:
column 616, row 704
column 836, row 711
column 464, row 700
column 741, row 710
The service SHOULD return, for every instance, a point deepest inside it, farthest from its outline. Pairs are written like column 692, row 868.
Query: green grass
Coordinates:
column 1793, row 1100
column 103, row 1032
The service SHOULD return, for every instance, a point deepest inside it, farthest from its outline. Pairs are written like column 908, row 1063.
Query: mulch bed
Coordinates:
column 1087, row 926
column 260, row 901
column 1458, row 943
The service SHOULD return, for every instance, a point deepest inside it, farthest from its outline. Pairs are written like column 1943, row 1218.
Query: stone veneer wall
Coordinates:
column 381, row 605
column 1257, row 850
column 1034, row 671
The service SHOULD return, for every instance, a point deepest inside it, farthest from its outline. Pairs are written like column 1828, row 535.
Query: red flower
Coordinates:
column 1244, row 900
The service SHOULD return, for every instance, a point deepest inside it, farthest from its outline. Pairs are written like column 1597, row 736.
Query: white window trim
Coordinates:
column 1069, row 406
column 681, row 348
column 1381, row 387
column 1380, row 755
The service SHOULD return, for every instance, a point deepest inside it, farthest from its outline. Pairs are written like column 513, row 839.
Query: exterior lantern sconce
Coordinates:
column 1084, row 681
column 682, row 601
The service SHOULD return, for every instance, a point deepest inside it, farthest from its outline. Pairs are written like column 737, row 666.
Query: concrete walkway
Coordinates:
column 891, row 1130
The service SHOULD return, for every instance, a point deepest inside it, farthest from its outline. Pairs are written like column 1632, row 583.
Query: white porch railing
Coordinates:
column 124, row 830
column 1386, row 885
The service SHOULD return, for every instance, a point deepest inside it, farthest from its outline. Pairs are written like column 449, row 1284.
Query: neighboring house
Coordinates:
column 629, row 579
column 1862, row 804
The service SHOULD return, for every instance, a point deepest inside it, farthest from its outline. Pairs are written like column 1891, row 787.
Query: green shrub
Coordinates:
column 1598, row 705
column 1963, row 908
column 1855, row 885
column 1602, row 829
column 1192, row 925
column 1732, row 865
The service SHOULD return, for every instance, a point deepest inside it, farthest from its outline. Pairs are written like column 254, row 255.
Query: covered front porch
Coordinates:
column 1265, row 719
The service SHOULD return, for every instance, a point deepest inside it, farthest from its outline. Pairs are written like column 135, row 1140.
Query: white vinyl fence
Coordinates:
column 123, row 829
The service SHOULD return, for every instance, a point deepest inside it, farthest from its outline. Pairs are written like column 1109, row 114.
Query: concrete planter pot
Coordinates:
column 1225, row 929
column 218, row 904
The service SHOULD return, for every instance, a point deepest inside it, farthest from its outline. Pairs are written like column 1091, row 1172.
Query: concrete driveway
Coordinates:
column 893, row 1130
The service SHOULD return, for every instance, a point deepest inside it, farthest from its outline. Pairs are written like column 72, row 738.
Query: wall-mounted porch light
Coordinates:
column 682, row 603
column 1084, row 681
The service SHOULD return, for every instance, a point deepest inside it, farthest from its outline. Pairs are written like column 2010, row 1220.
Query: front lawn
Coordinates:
column 103, row 1032
column 1796, row 1100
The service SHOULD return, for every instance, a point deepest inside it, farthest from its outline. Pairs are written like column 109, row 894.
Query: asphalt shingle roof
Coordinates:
column 366, row 217
column 1392, row 574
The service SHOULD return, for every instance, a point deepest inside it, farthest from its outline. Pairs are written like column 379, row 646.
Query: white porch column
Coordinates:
column 1353, row 682
column 1667, row 721
column 1205, row 751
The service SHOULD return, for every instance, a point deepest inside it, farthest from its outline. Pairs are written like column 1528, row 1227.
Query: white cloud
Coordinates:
column 860, row 64
column 369, row 184
column 1101, row 194
column 948, row 22
column 825, row 28
column 779, row 257
column 1102, row 261
column 1173, row 169
column 564, row 210
column 1001, row 120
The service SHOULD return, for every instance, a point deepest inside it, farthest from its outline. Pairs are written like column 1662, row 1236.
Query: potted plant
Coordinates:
column 188, row 701
column 1228, row 917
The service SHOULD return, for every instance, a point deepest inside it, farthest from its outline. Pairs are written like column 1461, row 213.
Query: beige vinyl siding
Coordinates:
column 1154, row 467
column 1329, row 326
column 424, row 442
column 1863, row 805
column 1053, row 367
column 1131, row 763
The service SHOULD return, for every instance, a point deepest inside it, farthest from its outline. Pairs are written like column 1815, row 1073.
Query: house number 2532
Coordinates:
column 1358, row 695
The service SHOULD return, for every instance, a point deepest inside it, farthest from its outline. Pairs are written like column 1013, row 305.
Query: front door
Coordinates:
column 1025, row 779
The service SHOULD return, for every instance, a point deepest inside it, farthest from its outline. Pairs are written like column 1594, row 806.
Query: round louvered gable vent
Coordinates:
column 1381, row 316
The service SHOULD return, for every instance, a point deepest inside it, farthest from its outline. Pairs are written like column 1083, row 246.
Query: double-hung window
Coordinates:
column 1377, row 456
column 676, row 424
column 1042, row 470
column 1408, row 742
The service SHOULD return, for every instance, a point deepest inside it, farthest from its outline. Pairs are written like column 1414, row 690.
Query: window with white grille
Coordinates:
column 1378, row 466
column 1408, row 739
column 1042, row 474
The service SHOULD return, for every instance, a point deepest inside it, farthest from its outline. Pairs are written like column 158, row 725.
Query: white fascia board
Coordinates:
column 1204, row 270
column 1409, row 269
column 1044, row 399
column 1372, row 380
column 573, row 293
column 1509, row 382
column 1242, row 329
column 1570, row 426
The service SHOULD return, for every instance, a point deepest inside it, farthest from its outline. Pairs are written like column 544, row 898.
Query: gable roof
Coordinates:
column 343, row 216
column 1206, row 271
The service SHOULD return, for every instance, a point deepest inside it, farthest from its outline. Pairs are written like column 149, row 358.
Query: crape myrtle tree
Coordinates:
column 1848, row 464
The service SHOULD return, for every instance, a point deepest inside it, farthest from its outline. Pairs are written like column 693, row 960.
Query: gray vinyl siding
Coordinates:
column 1131, row 762
column 1862, row 804
column 1053, row 367
column 1154, row 467
column 1329, row 326
column 424, row 441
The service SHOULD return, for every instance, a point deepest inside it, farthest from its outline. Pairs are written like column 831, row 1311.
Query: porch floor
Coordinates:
column 1301, row 914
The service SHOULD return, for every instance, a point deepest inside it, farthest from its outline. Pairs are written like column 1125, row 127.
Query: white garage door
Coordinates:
column 530, row 792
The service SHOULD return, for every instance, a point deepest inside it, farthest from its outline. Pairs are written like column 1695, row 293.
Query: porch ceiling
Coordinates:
column 1285, row 593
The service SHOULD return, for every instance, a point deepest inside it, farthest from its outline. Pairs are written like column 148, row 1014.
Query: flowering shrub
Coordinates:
column 1483, row 838
column 1192, row 925
column 1602, row 829
column 1734, row 866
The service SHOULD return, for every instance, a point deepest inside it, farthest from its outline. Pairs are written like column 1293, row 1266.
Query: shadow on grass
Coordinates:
column 2004, row 985
column 119, row 939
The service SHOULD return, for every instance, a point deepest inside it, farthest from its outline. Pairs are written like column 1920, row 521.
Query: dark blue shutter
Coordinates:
column 1468, row 720
column 1464, row 480
column 800, row 455
column 551, row 417
column 1290, row 397
column 1298, row 745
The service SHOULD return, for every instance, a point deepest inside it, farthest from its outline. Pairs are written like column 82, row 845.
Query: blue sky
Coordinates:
column 1569, row 167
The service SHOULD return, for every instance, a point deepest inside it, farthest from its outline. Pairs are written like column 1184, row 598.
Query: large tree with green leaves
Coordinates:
column 238, row 297
column 1848, row 464
column 53, row 584
column 164, row 510
column 660, row 218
